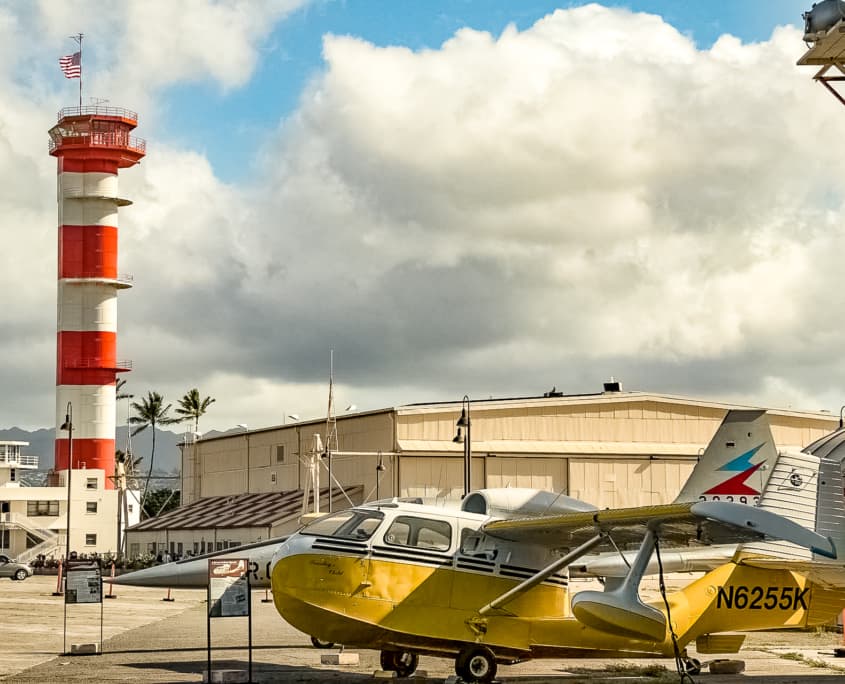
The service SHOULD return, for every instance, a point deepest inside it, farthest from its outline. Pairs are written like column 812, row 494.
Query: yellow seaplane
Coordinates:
column 488, row 583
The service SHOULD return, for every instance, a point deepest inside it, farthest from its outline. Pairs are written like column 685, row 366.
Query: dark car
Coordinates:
column 13, row 569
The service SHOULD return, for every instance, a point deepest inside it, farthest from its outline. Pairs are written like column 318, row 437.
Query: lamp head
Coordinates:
column 463, row 421
column 459, row 438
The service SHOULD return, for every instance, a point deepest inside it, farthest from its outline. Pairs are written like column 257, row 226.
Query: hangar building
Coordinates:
column 612, row 449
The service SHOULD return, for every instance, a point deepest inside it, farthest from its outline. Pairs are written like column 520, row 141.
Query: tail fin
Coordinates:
column 737, row 463
column 807, row 487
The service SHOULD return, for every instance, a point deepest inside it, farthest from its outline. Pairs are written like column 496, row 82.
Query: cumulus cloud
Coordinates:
column 590, row 196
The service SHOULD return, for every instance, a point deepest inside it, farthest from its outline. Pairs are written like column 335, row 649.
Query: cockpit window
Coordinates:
column 420, row 532
column 351, row 524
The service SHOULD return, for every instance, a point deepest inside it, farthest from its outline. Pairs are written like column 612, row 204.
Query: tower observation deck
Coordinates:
column 91, row 144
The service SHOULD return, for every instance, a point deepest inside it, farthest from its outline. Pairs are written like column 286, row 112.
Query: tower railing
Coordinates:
column 96, row 139
column 87, row 110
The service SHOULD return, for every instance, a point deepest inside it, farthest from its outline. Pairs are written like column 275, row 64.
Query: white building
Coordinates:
column 33, row 520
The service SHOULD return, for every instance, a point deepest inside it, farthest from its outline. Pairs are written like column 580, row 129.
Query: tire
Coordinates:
column 476, row 665
column 21, row 575
column 403, row 663
column 316, row 643
column 727, row 666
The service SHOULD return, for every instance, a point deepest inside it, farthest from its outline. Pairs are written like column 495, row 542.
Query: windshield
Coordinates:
column 351, row 524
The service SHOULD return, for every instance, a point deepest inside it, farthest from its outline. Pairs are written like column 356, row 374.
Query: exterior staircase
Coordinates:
column 50, row 541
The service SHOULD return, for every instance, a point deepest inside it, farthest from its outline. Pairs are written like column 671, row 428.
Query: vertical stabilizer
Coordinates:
column 737, row 463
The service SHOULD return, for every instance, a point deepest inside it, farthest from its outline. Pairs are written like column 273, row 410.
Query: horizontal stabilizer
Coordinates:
column 765, row 523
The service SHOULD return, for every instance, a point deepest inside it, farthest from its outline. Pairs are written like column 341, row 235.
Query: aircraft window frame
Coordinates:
column 415, row 525
column 350, row 524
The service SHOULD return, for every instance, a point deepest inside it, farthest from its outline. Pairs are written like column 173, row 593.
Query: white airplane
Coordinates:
column 489, row 583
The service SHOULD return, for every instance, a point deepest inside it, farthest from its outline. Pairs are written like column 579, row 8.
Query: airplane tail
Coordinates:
column 806, row 487
column 737, row 463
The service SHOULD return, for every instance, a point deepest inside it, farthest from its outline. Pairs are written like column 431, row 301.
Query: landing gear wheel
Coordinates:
column 691, row 666
column 476, row 665
column 321, row 644
column 21, row 575
column 403, row 663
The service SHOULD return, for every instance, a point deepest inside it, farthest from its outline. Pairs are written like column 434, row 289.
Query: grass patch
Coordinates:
column 631, row 670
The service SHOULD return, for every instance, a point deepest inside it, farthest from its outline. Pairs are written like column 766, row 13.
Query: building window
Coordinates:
column 151, row 547
column 90, row 539
column 280, row 453
column 134, row 550
column 196, row 548
column 90, row 506
column 12, row 475
column 91, row 483
column 5, row 536
column 220, row 546
column 42, row 508
column 273, row 478
column 32, row 541
column 129, row 508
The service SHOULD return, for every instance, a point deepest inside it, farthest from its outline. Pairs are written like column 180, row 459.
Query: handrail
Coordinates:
column 98, row 364
column 19, row 459
column 98, row 139
column 98, row 109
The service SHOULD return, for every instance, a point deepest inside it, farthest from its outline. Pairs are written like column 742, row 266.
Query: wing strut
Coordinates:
column 545, row 573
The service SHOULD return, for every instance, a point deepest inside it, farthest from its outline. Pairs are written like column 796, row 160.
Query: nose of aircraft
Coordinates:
column 185, row 574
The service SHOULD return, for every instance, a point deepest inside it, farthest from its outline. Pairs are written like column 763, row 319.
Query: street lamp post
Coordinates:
column 68, row 425
column 246, row 431
column 465, row 422
column 380, row 468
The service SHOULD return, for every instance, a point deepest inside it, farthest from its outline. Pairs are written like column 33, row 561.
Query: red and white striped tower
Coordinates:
column 91, row 144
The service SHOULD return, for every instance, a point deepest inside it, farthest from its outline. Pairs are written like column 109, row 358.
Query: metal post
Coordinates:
column 68, row 425
column 468, row 452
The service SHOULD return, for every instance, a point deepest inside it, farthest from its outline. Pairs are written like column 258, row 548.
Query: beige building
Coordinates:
column 612, row 449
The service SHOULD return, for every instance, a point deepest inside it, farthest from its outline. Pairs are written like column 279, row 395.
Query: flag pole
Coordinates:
column 78, row 39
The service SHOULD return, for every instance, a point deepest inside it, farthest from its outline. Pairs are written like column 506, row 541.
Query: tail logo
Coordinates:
column 736, row 484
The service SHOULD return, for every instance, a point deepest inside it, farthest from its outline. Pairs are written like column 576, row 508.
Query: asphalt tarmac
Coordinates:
column 150, row 640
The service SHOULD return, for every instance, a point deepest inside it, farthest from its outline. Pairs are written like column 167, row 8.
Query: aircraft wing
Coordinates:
column 676, row 524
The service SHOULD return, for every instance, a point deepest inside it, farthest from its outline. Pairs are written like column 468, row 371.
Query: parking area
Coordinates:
column 150, row 640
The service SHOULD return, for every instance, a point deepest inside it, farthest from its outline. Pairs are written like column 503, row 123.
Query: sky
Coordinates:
column 490, row 198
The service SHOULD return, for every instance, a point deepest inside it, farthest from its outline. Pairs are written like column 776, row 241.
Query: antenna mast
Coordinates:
column 331, row 426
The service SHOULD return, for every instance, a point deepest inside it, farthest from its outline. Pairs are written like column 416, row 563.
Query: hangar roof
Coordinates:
column 242, row 510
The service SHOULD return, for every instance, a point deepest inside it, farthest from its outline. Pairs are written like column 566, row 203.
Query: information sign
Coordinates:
column 83, row 585
column 228, row 587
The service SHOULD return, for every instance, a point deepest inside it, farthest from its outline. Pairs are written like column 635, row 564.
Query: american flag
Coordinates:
column 71, row 65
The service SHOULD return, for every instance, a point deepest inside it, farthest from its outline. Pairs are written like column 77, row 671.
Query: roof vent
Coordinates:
column 553, row 392
column 612, row 386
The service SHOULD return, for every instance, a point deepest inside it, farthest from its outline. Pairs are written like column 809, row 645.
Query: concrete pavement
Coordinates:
column 150, row 640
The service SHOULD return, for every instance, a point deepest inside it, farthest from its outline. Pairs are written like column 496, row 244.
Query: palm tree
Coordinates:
column 119, row 393
column 150, row 412
column 191, row 406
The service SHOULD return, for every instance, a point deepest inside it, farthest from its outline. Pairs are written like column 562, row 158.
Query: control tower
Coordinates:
column 91, row 144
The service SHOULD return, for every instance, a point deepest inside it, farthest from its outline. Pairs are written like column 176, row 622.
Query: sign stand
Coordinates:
column 83, row 584
column 229, row 595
